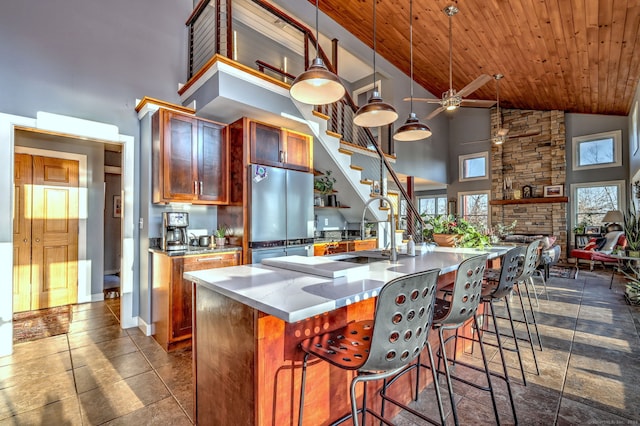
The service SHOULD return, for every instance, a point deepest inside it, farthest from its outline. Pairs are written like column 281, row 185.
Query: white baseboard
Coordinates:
column 147, row 329
column 97, row 297
column 111, row 272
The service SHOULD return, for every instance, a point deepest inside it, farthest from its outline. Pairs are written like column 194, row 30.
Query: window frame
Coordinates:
column 616, row 135
column 464, row 157
column 461, row 212
column 622, row 196
column 433, row 197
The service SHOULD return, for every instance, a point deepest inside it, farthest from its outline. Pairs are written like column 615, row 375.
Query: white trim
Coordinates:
column 356, row 92
column 85, row 130
column 635, row 130
column 147, row 329
column 616, row 135
column 463, row 158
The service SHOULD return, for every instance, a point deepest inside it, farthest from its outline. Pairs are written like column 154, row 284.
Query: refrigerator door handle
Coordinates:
column 195, row 187
column 200, row 187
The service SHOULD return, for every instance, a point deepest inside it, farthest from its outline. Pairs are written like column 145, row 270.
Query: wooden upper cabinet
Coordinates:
column 273, row 146
column 191, row 159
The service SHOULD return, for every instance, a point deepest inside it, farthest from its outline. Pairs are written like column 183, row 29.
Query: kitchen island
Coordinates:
column 249, row 320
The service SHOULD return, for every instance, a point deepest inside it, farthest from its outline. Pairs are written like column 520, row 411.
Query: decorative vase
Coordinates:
column 220, row 241
column 446, row 240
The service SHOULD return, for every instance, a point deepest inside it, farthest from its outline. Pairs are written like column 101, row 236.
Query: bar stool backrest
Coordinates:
column 509, row 272
column 466, row 290
column 530, row 260
column 403, row 318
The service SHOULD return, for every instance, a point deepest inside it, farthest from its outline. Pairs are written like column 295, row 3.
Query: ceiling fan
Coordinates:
column 502, row 134
column 451, row 99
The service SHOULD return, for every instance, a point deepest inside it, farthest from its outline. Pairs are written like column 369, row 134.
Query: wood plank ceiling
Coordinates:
column 573, row 55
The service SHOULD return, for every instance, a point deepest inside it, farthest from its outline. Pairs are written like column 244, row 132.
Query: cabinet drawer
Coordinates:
column 210, row 261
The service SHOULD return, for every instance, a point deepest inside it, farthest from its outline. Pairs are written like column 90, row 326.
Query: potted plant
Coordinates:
column 324, row 184
column 451, row 231
column 632, row 231
column 632, row 288
column 220, row 235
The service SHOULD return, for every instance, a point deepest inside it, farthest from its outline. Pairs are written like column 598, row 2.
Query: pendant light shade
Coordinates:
column 376, row 112
column 317, row 85
column 412, row 129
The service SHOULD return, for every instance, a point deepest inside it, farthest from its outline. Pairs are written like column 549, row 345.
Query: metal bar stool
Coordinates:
column 383, row 347
column 529, row 266
column 454, row 313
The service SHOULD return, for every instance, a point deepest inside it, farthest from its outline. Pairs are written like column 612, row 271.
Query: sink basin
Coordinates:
column 364, row 256
column 360, row 259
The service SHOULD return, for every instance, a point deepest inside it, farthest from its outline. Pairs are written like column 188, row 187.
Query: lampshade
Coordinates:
column 412, row 130
column 375, row 113
column 613, row 216
column 317, row 85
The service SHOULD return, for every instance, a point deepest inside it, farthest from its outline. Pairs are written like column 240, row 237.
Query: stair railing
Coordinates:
column 205, row 42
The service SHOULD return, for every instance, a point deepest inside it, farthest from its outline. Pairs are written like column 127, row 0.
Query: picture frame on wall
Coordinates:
column 591, row 229
column 527, row 191
column 117, row 206
column 553, row 191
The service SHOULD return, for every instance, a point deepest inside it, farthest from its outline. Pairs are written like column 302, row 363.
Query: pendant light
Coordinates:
column 376, row 112
column 317, row 85
column 412, row 129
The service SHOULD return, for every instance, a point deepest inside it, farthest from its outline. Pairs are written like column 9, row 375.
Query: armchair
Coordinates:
column 592, row 253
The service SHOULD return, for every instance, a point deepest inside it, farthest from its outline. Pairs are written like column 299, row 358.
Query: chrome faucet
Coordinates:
column 394, row 252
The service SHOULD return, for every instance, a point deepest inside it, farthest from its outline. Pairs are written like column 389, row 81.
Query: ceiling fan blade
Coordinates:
column 480, row 81
column 478, row 103
column 434, row 113
column 476, row 141
column 430, row 100
column 503, row 132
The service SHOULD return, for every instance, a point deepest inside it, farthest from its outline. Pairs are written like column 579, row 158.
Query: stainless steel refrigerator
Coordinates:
column 280, row 212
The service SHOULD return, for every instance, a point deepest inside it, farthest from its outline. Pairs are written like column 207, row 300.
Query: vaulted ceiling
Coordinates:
column 573, row 55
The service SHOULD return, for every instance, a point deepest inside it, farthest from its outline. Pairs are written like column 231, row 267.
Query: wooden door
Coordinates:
column 213, row 168
column 54, row 232
column 180, row 157
column 266, row 145
column 22, row 174
column 298, row 151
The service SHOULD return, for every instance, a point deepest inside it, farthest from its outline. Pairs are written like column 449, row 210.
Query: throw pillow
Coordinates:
column 591, row 245
column 611, row 241
column 547, row 242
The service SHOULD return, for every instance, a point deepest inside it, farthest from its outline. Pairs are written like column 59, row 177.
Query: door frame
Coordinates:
column 84, row 131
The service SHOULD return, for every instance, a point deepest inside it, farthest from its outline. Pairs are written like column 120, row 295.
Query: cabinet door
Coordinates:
column 298, row 153
column 266, row 145
column 180, row 157
column 180, row 307
column 213, row 167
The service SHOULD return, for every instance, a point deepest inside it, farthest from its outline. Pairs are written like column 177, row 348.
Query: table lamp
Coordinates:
column 613, row 218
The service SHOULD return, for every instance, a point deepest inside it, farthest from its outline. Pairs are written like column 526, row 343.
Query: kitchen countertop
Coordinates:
column 195, row 250
column 294, row 296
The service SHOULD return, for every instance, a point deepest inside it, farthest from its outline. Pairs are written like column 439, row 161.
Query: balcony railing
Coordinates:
column 255, row 33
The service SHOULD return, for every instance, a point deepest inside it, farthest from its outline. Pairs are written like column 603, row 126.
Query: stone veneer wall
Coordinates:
column 537, row 160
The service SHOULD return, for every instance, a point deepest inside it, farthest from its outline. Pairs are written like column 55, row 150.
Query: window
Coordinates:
column 474, row 207
column 432, row 206
column 593, row 200
column 474, row 166
column 597, row 151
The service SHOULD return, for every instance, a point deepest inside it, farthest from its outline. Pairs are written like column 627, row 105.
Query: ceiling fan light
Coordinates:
column 317, row 85
column 412, row 130
column 375, row 113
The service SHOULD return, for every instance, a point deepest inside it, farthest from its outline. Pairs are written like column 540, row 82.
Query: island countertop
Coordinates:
column 294, row 296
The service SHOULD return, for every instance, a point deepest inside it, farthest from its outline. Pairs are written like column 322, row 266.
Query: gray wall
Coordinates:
column 91, row 59
column 634, row 157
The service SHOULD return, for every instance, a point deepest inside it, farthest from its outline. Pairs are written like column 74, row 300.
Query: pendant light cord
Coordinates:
column 317, row 36
column 411, row 50
column 450, row 52
column 375, row 89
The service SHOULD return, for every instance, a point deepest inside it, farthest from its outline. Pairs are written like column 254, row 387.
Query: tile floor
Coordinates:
column 100, row 374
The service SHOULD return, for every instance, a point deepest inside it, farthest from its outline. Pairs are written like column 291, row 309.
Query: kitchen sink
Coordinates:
column 364, row 256
column 360, row 259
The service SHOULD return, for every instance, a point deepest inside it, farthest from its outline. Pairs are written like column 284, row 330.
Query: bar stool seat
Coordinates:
column 383, row 347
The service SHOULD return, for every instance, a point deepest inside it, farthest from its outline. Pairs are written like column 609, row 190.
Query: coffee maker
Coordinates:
column 174, row 230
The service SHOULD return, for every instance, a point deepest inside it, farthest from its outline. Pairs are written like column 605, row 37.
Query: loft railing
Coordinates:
column 222, row 26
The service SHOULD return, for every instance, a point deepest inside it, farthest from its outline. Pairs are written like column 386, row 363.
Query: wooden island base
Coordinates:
column 247, row 365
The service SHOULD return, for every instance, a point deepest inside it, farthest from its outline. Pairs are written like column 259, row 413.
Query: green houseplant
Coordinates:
column 324, row 184
column 220, row 235
column 632, row 230
column 458, row 232
column 632, row 288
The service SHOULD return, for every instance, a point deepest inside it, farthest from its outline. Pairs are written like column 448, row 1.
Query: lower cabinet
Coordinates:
column 322, row 249
column 172, row 295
